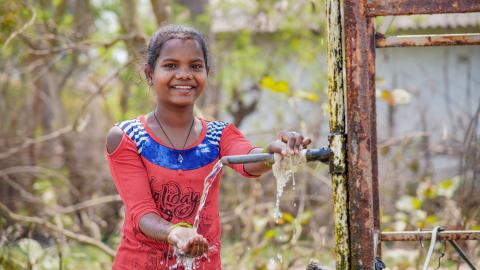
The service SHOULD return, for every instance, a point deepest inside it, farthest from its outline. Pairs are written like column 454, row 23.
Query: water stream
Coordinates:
column 283, row 169
column 188, row 262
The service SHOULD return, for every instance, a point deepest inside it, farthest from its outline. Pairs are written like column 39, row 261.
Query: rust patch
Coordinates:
column 360, row 58
column 426, row 40
column 409, row 7
column 426, row 235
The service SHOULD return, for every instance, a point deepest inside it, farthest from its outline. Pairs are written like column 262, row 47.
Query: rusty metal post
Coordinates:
column 337, row 133
column 361, row 139
column 373, row 137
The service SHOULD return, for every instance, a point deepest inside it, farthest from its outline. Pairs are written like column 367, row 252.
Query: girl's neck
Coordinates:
column 174, row 117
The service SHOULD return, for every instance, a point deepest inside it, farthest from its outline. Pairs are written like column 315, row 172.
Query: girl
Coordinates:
column 159, row 160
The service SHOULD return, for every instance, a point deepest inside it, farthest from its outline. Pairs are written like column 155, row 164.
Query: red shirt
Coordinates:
column 152, row 177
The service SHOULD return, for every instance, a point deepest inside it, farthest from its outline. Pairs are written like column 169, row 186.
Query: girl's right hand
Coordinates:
column 188, row 241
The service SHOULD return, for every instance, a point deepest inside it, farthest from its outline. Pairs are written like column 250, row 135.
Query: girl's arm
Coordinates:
column 131, row 180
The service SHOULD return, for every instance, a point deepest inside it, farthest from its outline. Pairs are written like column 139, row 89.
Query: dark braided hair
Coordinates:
column 172, row 31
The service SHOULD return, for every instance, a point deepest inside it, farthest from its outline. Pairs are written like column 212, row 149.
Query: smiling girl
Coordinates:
column 159, row 160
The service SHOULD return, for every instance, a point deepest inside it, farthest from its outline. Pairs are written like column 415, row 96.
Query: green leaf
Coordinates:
column 446, row 184
column 31, row 248
column 416, row 203
column 307, row 95
column 386, row 96
column 432, row 219
column 288, row 217
column 306, row 216
column 272, row 233
column 275, row 86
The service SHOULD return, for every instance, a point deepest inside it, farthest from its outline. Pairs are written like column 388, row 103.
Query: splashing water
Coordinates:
column 186, row 261
column 189, row 262
column 206, row 187
column 284, row 169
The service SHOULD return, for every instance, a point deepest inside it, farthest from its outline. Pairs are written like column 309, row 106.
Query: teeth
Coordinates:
column 183, row 87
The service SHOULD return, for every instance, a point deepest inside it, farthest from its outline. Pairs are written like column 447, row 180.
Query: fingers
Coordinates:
column 294, row 140
column 288, row 137
column 195, row 246
column 298, row 144
column 307, row 141
column 277, row 147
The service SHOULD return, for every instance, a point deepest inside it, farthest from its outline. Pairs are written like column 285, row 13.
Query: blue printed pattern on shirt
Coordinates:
column 203, row 154
column 134, row 129
column 214, row 131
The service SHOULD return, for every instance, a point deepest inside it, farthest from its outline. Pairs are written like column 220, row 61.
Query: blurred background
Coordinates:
column 71, row 69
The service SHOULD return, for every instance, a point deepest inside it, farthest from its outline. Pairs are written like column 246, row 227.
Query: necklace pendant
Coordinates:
column 180, row 158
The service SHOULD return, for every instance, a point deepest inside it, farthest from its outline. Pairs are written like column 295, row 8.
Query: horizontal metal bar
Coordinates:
column 409, row 7
column 426, row 235
column 426, row 40
column 322, row 154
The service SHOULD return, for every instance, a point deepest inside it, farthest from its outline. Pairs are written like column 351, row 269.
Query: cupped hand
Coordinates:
column 188, row 241
column 288, row 142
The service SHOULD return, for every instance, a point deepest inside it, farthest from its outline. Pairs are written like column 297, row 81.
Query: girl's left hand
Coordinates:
column 288, row 142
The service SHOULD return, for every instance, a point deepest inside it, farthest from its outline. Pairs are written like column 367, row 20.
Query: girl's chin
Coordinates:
column 183, row 100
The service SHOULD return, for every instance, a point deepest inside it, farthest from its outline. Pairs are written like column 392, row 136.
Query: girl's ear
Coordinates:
column 148, row 74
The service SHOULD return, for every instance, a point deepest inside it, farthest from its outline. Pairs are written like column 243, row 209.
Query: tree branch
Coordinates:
column 77, row 125
column 90, row 203
column 40, row 139
column 50, row 226
column 25, row 26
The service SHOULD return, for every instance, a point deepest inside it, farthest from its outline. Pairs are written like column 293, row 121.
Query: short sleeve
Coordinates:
column 233, row 142
column 131, row 180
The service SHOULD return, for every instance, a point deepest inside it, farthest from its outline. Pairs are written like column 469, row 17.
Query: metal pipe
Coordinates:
column 410, row 7
column 321, row 154
column 382, row 41
column 462, row 254
column 426, row 235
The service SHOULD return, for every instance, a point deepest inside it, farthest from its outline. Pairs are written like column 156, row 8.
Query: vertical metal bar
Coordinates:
column 337, row 133
column 373, row 134
column 359, row 129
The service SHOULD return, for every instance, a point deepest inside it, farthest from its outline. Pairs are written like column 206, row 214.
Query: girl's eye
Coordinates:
column 197, row 66
column 170, row 65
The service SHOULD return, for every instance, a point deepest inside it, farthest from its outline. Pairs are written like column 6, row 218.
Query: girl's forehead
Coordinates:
column 181, row 48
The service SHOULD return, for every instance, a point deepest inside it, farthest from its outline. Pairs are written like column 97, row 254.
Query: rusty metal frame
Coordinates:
column 410, row 7
column 426, row 40
column 426, row 235
column 356, row 174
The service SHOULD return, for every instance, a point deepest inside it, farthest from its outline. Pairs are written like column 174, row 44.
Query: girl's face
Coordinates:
column 180, row 72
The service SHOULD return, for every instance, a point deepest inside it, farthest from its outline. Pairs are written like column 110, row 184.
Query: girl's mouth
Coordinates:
column 183, row 89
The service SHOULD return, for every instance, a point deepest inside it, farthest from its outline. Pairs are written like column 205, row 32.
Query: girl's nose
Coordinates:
column 183, row 74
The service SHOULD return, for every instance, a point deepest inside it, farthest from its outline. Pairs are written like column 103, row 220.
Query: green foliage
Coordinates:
column 414, row 211
column 28, row 253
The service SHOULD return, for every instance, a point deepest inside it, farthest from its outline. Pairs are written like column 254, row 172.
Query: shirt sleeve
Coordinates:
column 233, row 142
column 131, row 180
